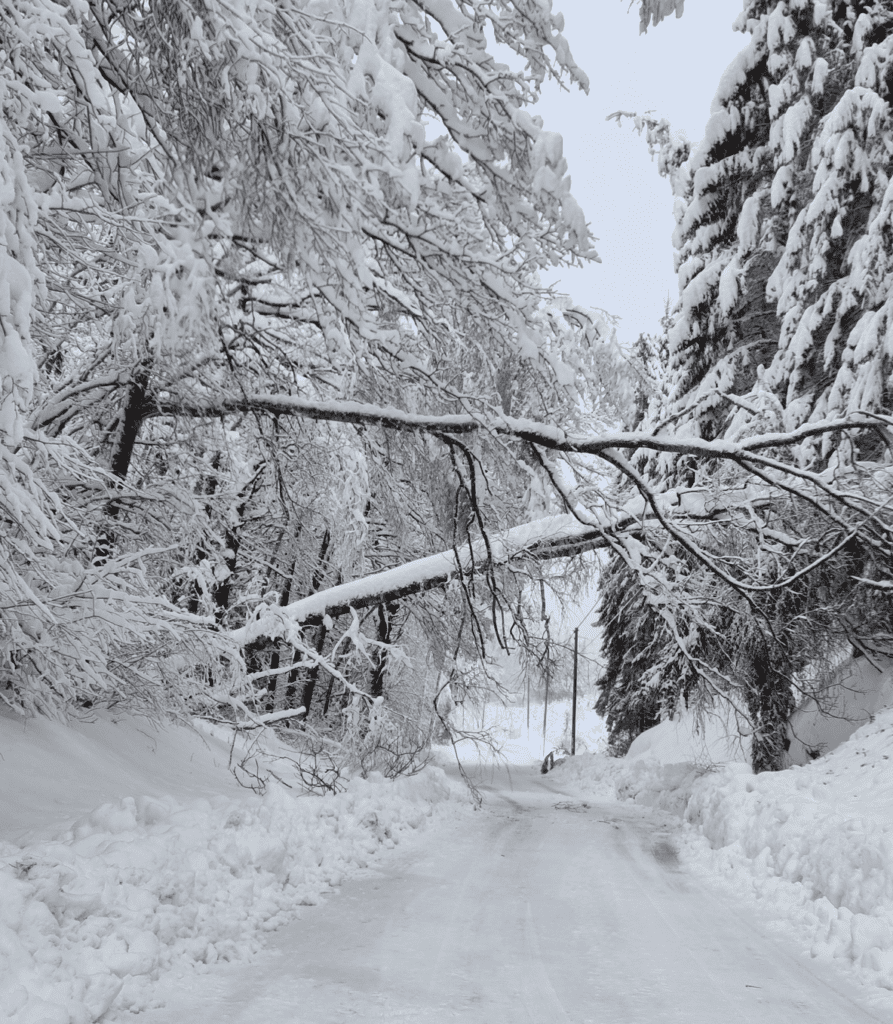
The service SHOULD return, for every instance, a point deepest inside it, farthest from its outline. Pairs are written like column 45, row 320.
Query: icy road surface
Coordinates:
column 540, row 908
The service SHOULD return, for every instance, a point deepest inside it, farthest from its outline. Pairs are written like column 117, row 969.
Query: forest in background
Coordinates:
column 291, row 434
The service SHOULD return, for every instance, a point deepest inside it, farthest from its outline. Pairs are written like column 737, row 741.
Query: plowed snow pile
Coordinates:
column 812, row 845
column 181, row 866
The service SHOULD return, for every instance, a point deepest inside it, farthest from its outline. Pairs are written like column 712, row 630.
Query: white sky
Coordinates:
column 673, row 70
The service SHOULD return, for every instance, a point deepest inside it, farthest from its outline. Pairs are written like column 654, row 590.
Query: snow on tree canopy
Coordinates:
column 340, row 200
column 654, row 11
column 785, row 260
column 328, row 160
column 785, row 263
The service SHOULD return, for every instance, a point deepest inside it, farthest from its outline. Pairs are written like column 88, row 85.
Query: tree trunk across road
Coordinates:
column 542, row 908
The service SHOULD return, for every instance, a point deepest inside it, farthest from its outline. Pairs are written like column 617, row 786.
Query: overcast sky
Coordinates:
column 673, row 70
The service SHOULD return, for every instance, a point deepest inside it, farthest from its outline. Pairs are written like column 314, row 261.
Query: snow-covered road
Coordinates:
column 539, row 908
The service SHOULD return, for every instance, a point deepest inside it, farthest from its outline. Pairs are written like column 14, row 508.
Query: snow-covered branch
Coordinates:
column 558, row 536
column 545, row 435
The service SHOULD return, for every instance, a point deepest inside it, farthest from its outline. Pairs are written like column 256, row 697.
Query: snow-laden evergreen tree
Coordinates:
column 654, row 11
column 783, row 268
column 785, row 272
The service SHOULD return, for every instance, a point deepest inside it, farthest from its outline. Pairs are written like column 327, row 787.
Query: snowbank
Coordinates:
column 813, row 845
column 857, row 691
column 54, row 772
column 93, row 911
column 713, row 738
column 668, row 787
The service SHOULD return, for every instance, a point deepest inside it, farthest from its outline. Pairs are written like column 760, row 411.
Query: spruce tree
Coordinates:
column 783, row 266
column 784, row 318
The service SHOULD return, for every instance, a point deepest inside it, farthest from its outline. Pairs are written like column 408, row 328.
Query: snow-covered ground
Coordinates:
column 541, row 908
column 127, row 849
column 129, row 853
column 811, row 847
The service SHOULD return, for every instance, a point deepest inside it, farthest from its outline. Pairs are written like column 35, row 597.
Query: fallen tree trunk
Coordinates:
column 559, row 536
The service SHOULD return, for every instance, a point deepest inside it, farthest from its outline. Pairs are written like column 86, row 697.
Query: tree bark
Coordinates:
column 545, row 435
column 387, row 610
column 274, row 702
column 223, row 590
column 312, row 675
column 131, row 419
column 207, row 487
column 770, row 703
column 321, row 633
column 132, row 416
column 552, row 537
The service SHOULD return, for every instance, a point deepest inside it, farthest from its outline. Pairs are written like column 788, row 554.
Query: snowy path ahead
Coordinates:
column 538, row 909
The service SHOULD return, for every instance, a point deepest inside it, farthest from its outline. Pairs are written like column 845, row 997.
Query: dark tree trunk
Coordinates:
column 319, row 573
column 207, row 487
column 312, row 675
column 770, row 703
column 325, row 709
column 253, row 652
column 223, row 590
column 386, row 614
column 275, row 656
column 331, row 686
column 132, row 415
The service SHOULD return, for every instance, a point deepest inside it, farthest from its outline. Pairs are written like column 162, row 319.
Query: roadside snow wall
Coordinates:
column 90, row 917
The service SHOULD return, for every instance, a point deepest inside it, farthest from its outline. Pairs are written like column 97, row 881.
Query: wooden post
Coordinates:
column 546, row 710
column 574, row 712
column 546, row 653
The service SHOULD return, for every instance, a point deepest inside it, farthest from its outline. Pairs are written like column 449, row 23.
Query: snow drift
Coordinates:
column 94, row 910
